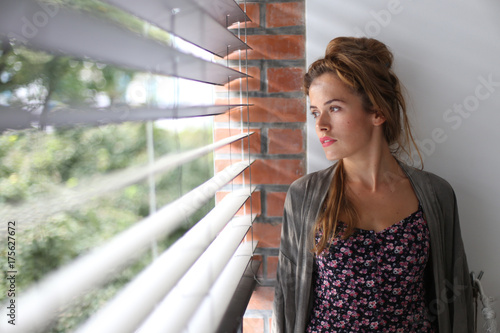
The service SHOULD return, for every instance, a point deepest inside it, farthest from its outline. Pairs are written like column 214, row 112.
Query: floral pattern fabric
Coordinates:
column 373, row 281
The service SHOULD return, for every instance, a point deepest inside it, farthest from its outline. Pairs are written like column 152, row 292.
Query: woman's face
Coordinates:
column 344, row 127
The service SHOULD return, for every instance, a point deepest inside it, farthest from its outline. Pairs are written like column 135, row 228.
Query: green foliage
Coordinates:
column 64, row 79
column 34, row 163
column 60, row 80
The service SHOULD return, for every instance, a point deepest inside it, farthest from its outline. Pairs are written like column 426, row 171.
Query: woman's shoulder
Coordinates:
column 427, row 179
column 312, row 181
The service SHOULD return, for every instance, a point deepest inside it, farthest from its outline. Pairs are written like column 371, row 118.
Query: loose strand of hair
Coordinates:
column 335, row 203
column 409, row 138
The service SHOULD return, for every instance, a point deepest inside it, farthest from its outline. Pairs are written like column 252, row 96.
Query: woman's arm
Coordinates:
column 284, row 296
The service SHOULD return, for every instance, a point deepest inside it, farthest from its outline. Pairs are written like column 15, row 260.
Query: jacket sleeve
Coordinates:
column 283, row 320
column 457, row 292
column 462, row 307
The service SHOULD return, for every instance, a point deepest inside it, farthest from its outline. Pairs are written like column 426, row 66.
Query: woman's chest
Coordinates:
column 402, row 248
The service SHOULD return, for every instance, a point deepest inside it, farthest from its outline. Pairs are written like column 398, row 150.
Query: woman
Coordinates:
column 369, row 244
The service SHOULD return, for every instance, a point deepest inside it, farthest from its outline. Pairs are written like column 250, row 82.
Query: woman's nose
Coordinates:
column 323, row 122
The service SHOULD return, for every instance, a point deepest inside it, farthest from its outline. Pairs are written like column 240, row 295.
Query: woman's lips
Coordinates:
column 326, row 141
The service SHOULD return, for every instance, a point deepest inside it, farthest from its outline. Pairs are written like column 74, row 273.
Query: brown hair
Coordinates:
column 364, row 64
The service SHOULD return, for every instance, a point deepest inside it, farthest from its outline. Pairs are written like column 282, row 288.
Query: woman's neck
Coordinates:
column 378, row 168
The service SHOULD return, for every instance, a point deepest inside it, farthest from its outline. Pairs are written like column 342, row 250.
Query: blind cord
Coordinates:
column 151, row 156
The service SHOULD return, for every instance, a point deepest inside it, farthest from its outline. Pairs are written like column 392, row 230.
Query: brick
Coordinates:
column 253, row 12
column 253, row 325
column 237, row 114
column 260, row 272
column 272, row 266
column 279, row 171
column 267, row 234
column 276, row 47
column 268, row 109
column 255, row 257
column 278, row 110
column 275, row 202
column 285, row 141
column 253, row 81
column 262, row 299
column 220, row 164
column 235, row 147
column 285, row 14
column 245, row 210
column 284, row 79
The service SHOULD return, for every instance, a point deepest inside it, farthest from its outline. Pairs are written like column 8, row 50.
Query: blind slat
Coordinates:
column 43, row 300
column 224, row 10
column 15, row 118
column 38, row 210
column 122, row 314
column 78, row 34
column 185, row 19
column 209, row 315
column 178, row 307
column 83, row 36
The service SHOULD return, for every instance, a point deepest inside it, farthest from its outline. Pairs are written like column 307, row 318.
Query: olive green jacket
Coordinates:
column 447, row 281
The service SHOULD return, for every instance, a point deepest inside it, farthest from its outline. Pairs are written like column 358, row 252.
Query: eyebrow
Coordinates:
column 328, row 102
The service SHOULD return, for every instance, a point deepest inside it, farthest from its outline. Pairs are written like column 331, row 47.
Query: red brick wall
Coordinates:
column 276, row 63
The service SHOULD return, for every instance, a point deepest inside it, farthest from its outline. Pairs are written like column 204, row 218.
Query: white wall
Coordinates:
column 444, row 52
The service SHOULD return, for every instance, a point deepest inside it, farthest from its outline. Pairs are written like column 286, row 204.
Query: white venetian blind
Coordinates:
column 189, row 286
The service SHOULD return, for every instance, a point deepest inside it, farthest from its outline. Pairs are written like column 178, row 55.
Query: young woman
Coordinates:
column 369, row 244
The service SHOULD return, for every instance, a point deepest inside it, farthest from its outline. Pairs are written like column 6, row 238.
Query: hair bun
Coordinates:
column 364, row 49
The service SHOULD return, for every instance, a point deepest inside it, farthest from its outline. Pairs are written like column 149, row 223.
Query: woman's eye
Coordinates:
column 334, row 108
column 315, row 114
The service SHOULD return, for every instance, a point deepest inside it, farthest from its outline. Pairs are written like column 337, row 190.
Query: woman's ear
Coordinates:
column 378, row 118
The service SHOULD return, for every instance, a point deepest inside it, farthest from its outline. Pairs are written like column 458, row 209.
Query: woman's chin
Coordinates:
column 331, row 156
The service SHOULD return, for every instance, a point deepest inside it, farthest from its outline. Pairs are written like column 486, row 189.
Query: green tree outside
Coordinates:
column 34, row 162
column 38, row 162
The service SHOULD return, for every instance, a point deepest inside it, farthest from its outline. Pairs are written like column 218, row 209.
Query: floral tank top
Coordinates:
column 373, row 281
